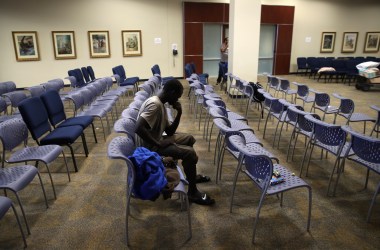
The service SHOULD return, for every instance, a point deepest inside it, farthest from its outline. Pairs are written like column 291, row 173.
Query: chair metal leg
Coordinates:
column 84, row 144
column 93, row 131
column 20, row 227
column 257, row 215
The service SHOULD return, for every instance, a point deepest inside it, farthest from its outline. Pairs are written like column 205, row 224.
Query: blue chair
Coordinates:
column 36, row 117
column 36, row 91
column 85, row 74
column 57, row 115
column 329, row 137
column 123, row 80
column 201, row 75
column 302, row 65
column 79, row 79
column 366, row 151
column 322, row 103
column 13, row 134
column 223, row 69
column 15, row 179
column 156, row 71
column 120, row 148
column 5, row 205
column 259, row 168
column 346, row 110
column 91, row 73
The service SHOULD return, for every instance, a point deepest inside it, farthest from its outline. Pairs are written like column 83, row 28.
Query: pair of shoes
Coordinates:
column 202, row 178
column 202, row 199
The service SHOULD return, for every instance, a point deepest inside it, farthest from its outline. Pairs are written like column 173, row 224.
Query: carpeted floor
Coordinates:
column 89, row 212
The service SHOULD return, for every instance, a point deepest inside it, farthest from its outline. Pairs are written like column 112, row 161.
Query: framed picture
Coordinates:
column 349, row 42
column 132, row 45
column 372, row 40
column 26, row 45
column 99, row 44
column 328, row 42
column 64, row 44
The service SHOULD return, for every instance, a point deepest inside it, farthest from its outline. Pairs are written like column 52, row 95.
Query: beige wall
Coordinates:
column 155, row 18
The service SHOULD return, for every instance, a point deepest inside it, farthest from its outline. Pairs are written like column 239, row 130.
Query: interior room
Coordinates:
column 45, row 43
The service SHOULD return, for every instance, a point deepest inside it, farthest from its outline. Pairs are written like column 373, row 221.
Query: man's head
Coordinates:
column 172, row 91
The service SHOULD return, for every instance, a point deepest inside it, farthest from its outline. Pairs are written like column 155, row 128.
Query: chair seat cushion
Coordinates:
column 62, row 135
column 83, row 121
column 18, row 177
column 46, row 154
column 130, row 81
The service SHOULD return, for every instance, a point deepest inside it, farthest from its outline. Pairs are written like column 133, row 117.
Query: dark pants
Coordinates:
column 222, row 72
column 183, row 150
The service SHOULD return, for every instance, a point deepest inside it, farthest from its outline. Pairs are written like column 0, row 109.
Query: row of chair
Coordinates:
column 238, row 138
column 328, row 136
column 40, row 110
column 345, row 68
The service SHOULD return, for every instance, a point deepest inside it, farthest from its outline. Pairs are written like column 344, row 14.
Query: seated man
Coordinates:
column 152, row 121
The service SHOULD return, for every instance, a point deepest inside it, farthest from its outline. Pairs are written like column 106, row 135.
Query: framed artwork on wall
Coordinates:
column 371, row 43
column 26, row 45
column 328, row 42
column 99, row 44
column 132, row 43
column 349, row 42
column 64, row 44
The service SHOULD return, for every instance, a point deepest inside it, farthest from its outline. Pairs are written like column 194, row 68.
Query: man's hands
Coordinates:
column 177, row 106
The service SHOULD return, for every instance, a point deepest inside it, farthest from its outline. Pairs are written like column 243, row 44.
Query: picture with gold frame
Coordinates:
column 99, row 43
column 132, row 43
column 26, row 45
column 64, row 45
column 328, row 42
column 372, row 41
column 349, row 42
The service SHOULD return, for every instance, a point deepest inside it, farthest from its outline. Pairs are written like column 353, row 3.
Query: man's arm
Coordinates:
column 170, row 130
column 142, row 130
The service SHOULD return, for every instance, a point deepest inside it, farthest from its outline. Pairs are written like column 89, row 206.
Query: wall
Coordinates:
column 154, row 18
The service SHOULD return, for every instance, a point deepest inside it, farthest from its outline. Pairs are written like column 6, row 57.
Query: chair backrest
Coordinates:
column 301, row 62
column 35, row 116
column 119, row 70
column 129, row 112
column 292, row 112
column 328, row 134
column 156, row 70
column 302, row 90
column 36, row 91
column 91, row 72
column 11, row 86
column 13, row 132
column 85, row 74
column 365, row 147
column 15, row 97
column 347, row 106
column 322, row 99
column 188, row 70
column 120, row 148
column 260, row 169
column 54, row 107
column 284, row 84
column 56, row 84
column 77, row 100
column 77, row 73
column 126, row 126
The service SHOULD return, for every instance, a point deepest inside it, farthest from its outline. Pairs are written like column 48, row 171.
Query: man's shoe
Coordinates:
column 203, row 199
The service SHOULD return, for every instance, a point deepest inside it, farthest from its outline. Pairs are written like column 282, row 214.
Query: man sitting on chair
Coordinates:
column 152, row 121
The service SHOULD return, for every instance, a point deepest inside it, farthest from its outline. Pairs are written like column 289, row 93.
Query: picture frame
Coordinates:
column 372, row 41
column 328, row 42
column 99, row 43
column 26, row 45
column 132, row 42
column 64, row 45
column 349, row 42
